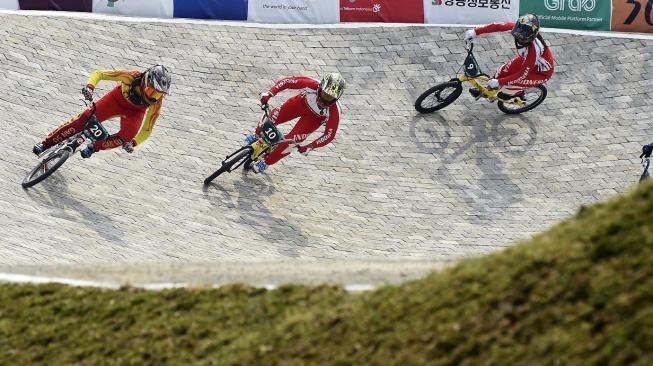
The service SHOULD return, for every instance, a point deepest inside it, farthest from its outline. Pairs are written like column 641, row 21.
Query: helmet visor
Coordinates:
column 523, row 33
column 325, row 99
column 151, row 93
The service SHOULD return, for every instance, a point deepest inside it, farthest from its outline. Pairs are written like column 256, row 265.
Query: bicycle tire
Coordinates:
column 226, row 166
column 30, row 180
column 528, row 107
column 248, row 163
column 458, row 89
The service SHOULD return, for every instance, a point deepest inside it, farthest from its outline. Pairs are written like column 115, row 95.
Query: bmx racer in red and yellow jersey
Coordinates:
column 137, row 100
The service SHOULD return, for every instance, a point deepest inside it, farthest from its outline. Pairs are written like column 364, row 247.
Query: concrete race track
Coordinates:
column 394, row 196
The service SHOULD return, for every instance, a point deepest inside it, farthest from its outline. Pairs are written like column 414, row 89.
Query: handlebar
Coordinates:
column 92, row 103
column 266, row 110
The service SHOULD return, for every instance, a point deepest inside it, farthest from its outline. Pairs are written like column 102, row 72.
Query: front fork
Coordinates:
column 257, row 150
column 77, row 142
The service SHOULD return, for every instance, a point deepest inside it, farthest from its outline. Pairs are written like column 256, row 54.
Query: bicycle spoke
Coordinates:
column 436, row 98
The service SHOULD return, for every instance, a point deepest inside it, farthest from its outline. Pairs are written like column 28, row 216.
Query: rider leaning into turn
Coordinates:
column 534, row 64
column 139, row 94
column 315, row 105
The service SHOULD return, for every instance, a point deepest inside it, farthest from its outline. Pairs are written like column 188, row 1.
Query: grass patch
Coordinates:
column 578, row 294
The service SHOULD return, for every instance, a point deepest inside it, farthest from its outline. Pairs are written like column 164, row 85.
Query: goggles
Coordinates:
column 152, row 93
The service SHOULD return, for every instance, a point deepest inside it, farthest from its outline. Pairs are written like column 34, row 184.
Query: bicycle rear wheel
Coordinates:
column 438, row 96
column 46, row 167
column 228, row 164
column 533, row 97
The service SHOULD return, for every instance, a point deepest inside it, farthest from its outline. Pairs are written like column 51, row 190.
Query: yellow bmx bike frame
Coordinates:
column 489, row 93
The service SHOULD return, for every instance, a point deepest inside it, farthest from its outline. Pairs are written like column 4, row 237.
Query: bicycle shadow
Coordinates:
column 488, row 191
column 55, row 196
column 258, row 217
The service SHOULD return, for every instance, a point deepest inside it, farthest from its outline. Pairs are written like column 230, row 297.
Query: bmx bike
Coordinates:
column 58, row 154
column 446, row 93
column 268, row 138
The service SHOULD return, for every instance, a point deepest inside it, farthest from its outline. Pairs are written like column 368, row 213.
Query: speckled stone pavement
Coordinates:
column 395, row 195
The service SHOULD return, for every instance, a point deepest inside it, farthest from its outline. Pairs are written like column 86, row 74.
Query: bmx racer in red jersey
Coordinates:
column 534, row 64
column 315, row 106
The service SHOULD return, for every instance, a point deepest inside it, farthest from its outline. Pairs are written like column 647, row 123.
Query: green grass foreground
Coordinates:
column 579, row 294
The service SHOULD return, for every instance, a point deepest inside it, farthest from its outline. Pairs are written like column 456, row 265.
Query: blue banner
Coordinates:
column 211, row 9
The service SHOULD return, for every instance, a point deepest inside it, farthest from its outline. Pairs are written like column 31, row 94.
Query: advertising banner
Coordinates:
column 9, row 4
column 389, row 11
column 471, row 11
column 293, row 11
column 211, row 9
column 632, row 16
column 139, row 8
column 570, row 14
column 62, row 5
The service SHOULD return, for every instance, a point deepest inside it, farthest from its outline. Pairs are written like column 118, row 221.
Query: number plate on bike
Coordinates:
column 471, row 66
column 95, row 131
column 270, row 133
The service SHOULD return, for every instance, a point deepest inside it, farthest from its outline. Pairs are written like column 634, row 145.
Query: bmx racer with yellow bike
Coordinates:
column 518, row 85
column 533, row 65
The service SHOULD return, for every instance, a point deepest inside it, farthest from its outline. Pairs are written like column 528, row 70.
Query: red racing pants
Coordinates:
column 110, row 105
column 307, row 124
column 530, row 80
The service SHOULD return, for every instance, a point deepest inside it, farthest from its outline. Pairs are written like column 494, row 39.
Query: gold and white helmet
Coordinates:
column 331, row 88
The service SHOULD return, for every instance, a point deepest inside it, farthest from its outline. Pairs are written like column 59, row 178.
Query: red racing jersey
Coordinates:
column 538, row 57
column 329, row 117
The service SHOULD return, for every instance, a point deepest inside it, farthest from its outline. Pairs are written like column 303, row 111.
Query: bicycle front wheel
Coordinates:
column 438, row 96
column 228, row 164
column 46, row 167
column 533, row 97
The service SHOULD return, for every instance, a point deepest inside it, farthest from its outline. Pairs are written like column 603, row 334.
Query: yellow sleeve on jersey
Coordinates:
column 148, row 124
column 124, row 76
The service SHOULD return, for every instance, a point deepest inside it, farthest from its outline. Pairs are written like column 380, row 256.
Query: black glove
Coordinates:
column 646, row 151
column 87, row 91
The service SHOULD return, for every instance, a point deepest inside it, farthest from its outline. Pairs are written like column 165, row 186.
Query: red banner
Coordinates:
column 388, row 11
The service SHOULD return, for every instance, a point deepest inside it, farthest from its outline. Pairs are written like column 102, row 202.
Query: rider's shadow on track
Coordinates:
column 54, row 195
column 494, row 191
column 254, row 215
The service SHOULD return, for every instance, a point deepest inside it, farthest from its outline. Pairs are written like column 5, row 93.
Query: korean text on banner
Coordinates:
column 389, row 11
column 211, row 9
column 570, row 14
column 62, row 5
column 293, row 11
column 470, row 11
column 632, row 15
column 9, row 4
column 140, row 8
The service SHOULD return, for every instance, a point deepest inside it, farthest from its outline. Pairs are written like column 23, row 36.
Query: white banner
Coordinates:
column 470, row 11
column 9, row 5
column 294, row 11
column 140, row 8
